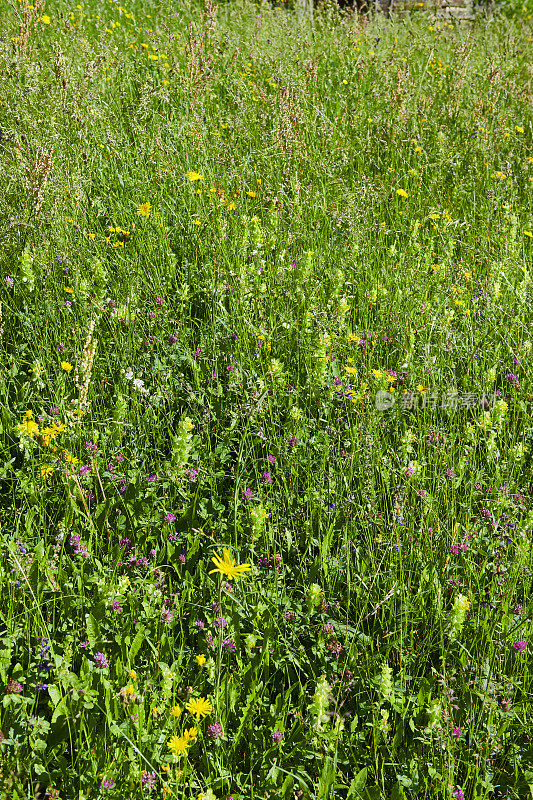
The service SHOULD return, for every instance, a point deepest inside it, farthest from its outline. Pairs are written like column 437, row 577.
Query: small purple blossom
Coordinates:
column 107, row 783
column 126, row 544
column 277, row 735
column 271, row 459
column 221, row 622
column 172, row 339
column 513, row 379
column 210, row 639
column 84, row 470
column 192, row 474
column 148, row 780
column 518, row 609
column 42, row 687
column 215, row 731
column 91, row 448
column 228, row 645
column 152, row 478
column 170, row 518
column 167, row 616
column 101, row 661
column 266, row 478
column 117, row 607
column 457, row 733
column 13, row 687
column 9, row 282
column 520, row 646
column 173, row 537
column 459, row 794
column 248, row 493
column 293, row 441
column 199, row 623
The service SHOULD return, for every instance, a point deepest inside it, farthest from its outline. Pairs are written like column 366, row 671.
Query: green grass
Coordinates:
column 222, row 232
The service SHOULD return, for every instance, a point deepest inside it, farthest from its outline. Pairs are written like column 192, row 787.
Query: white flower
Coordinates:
column 128, row 375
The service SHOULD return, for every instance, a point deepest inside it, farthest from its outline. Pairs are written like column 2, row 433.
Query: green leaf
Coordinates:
column 358, row 783
column 61, row 708
column 93, row 632
column 54, row 693
column 136, row 645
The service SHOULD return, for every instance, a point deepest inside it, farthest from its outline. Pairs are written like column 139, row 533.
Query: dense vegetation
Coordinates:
column 265, row 296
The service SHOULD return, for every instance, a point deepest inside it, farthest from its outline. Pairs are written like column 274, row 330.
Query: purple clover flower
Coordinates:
column 215, row 731
column 248, row 493
column 148, row 780
column 277, row 735
column 520, row 646
column 101, row 661
column 170, row 518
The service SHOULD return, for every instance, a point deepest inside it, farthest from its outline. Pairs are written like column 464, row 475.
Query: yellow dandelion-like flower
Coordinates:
column 45, row 19
column 528, row 233
column 177, row 745
column 190, row 736
column 199, row 707
column 66, row 366
column 175, row 711
column 144, row 209
column 226, row 566
column 251, row 194
column 200, row 660
column 68, row 289
column 46, row 471
column 195, row 176
column 69, row 457
column 401, row 193
column 132, row 675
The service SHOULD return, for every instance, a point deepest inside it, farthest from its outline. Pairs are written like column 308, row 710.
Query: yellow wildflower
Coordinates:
column 45, row 19
column 401, row 193
column 175, row 711
column 227, row 566
column 177, row 745
column 195, row 176
column 66, row 366
column 144, row 209
column 199, row 707
column 200, row 660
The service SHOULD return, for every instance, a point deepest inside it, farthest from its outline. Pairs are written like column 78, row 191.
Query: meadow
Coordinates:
column 266, row 498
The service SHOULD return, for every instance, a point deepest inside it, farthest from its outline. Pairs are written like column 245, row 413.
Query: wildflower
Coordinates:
column 271, row 459
column 167, row 616
column 190, row 736
column 175, row 711
column 101, row 661
column 195, row 176
column 199, row 707
column 457, row 733
column 107, row 783
column 66, row 366
column 200, row 660
column 13, row 687
column 459, row 794
column 401, row 193
column 228, row 567
column 144, row 209
column 132, row 675
column 277, row 735
column 214, row 731
column 46, row 471
column 228, row 645
column 148, row 780
column 520, row 646
column 170, row 518
column 248, row 494
column 45, row 19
